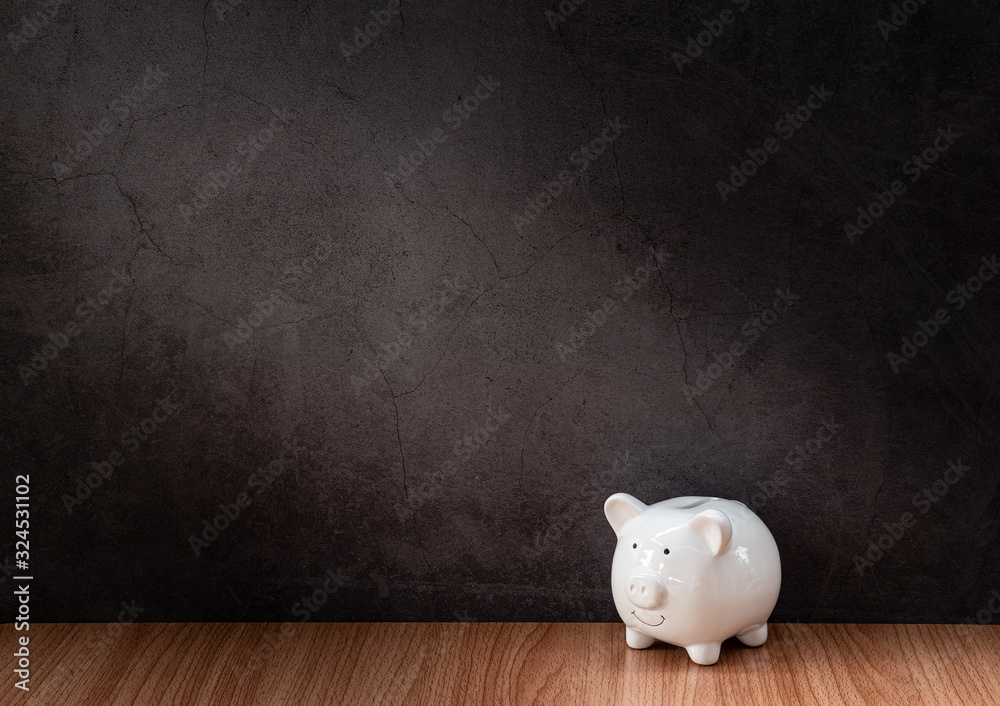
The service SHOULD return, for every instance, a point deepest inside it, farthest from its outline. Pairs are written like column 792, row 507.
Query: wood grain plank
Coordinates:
column 498, row 663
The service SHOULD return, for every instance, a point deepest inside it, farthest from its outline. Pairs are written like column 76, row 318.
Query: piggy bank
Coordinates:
column 692, row 572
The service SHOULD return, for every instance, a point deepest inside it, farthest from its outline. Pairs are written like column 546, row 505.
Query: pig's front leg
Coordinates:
column 637, row 640
column 707, row 653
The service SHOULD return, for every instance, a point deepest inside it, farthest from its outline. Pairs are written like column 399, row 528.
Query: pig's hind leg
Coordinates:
column 754, row 636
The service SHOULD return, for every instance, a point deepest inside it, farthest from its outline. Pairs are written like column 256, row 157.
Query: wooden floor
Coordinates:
column 502, row 663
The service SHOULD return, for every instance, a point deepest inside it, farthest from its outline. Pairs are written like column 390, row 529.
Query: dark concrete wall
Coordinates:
column 219, row 280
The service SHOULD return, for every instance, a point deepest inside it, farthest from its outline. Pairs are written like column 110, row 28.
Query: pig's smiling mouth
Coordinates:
column 649, row 624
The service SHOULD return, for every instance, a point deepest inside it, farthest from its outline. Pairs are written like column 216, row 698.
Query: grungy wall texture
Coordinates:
column 374, row 306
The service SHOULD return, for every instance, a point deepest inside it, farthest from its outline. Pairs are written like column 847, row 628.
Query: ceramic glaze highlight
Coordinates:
column 692, row 572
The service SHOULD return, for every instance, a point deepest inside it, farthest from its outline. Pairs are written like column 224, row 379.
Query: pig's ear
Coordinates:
column 715, row 527
column 620, row 508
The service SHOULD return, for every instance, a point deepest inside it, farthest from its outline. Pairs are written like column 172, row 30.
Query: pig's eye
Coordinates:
column 666, row 551
column 634, row 546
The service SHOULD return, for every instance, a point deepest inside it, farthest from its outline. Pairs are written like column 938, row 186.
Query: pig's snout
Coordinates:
column 644, row 588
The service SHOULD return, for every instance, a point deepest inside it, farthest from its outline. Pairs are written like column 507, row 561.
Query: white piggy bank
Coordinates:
column 692, row 572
